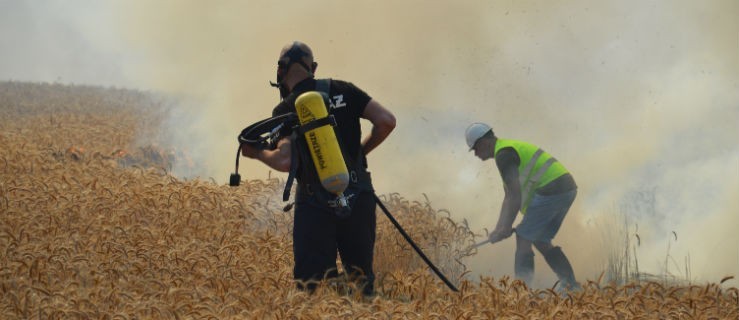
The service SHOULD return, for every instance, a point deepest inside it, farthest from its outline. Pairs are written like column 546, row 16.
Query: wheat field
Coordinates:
column 93, row 225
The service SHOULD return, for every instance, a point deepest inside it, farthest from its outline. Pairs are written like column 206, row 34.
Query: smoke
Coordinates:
column 639, row 99
column 60, row 41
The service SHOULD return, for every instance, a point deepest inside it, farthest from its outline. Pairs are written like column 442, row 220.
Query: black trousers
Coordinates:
column 318, row 234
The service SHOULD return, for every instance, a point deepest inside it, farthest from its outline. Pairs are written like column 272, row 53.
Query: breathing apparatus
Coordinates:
column 317, row 127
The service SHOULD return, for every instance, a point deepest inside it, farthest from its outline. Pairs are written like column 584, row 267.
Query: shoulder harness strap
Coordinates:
column 324, row 85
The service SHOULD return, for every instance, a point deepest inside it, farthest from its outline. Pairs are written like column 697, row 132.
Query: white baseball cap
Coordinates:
column 474, row 132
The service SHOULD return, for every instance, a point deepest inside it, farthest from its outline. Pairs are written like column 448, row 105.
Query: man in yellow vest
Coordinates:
column 536, row 184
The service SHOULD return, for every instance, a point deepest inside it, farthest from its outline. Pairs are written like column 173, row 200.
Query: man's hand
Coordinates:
column 383, row 122
column 500, row 233
column 249, row 152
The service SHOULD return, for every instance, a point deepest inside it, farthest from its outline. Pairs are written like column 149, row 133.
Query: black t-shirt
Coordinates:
column 508, row 160
column 347, row 103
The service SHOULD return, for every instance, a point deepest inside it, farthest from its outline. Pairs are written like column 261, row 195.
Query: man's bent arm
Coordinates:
column 278, row 159
column 383, row 122
column 511, row 203
column 511, row 206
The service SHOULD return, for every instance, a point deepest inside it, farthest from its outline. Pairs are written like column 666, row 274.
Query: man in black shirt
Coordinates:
column 536, row 184
column 318, row 231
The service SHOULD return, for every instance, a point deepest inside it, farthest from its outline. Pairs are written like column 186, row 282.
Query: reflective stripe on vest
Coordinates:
column 537, row 168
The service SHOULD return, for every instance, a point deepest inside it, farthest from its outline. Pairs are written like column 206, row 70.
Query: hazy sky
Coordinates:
column 639, row 99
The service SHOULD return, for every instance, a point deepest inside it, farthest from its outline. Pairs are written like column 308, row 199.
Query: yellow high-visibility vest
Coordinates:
column 536, row 170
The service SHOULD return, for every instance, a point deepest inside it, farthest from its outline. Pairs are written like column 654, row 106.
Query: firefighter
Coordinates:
column 320, row 231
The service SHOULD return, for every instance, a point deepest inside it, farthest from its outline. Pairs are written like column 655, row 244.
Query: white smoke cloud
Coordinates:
column 634, row 97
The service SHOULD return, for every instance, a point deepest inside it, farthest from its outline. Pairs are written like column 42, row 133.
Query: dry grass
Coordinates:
column 84, row 234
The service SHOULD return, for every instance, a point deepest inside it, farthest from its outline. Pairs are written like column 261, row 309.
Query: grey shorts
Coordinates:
column 544, row 216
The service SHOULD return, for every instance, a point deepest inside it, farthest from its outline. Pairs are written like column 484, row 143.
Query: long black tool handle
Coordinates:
column 415, row 247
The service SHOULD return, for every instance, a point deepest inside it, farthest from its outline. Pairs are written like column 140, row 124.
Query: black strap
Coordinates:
column 317, row 123
column 293, row 166
column 324, row 85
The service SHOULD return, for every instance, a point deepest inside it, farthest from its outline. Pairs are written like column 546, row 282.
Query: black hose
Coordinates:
column 415, row 247
column 253, row 136
column 238, row 154
column 235, row 179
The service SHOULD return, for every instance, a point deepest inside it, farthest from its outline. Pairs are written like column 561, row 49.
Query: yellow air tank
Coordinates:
column 324, row 148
